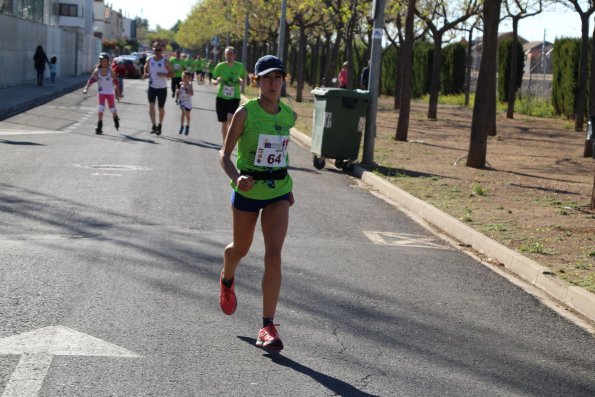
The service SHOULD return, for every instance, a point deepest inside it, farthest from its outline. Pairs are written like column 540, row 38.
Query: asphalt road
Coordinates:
column 110, row 252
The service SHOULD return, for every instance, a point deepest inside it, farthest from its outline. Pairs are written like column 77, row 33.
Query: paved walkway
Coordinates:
column 22, row 97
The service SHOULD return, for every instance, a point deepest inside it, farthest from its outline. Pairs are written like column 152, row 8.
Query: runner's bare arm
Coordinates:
column 146, row 70
column 90, row 82
column 170, row 69
column 244, row 182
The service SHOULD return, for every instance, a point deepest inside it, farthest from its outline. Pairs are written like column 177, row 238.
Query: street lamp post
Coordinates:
column 245, row 49
column 374, row 82
column 282, row 23
column 281, row 46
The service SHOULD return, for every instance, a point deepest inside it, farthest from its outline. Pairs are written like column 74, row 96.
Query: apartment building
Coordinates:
column 63, row 27
column 110, row 24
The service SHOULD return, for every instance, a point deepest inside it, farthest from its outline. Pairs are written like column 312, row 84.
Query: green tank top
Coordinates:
column 177, row 65
column 263, row 147
column 229, row 85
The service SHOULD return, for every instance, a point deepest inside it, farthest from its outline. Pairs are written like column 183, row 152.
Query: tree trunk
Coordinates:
column 314, row 76
column 292, row 58
column 349, row 35
column 406, row 91
column 592, row 79
column 435, row 81
column 331, row 59
column 469, row 67
column 579, row 116
column 399, row 79
column 300, row 63
column 512, row 86
column 484, row 110
column 328, row 61
column 286, row 46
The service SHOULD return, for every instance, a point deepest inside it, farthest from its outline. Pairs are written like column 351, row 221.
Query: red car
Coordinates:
column 126, row 67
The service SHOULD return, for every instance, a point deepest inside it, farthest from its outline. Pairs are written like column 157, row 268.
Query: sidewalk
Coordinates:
column 17, row 99
column 20, row 98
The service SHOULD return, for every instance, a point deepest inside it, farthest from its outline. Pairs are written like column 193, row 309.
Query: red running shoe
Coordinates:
column 227, row 297
column 268, row 338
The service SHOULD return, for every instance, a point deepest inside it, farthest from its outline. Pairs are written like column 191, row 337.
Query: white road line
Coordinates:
column 403, row 240
column 29, row 132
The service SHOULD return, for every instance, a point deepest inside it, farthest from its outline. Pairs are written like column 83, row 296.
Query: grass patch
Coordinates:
column 497, row 227
column 524, row 104
column 587, row 282
column 583, row 266
column 533, row 247
column 531, row 106
column 478, row 190
column 467, row 216
column 454, row 100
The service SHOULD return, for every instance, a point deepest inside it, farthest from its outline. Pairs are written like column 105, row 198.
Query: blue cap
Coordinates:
column 267, row 64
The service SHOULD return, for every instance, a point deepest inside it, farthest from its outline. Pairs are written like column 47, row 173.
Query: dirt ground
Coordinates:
column 534, row 196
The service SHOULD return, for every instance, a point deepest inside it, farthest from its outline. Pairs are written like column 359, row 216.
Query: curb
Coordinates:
column 577, row 298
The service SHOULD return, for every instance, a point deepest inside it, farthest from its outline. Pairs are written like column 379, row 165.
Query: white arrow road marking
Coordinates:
column 29, row 132
column 403, row 240
column 37, row 349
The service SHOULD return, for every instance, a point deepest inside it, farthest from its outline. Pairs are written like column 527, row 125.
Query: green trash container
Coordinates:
column 338, row 123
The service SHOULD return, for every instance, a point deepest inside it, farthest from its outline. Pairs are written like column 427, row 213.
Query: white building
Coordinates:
column 64, row 28
column 73, row 14
column 110, row 24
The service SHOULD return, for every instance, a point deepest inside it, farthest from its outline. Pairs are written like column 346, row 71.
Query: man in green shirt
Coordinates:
column 178, row 65
column 198, row 69
column 228, row 75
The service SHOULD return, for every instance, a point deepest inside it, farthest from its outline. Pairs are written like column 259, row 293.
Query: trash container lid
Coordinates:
column 340, row 92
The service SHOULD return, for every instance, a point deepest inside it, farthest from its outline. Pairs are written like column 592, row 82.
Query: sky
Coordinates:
column 560, row 23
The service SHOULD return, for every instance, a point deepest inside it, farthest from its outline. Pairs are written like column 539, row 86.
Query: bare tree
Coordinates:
column 396, row 16
column 441, row 16
column 484, row 109
column 406, row 88
column 585, row 14
column 469, row 57
column 307, row 16
column 517, row 10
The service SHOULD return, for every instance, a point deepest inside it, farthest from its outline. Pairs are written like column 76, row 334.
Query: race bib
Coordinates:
column 272, row 151
column 228, row 91
column 176, row 66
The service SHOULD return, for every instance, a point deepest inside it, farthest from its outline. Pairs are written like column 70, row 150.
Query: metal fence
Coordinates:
column 27, row 9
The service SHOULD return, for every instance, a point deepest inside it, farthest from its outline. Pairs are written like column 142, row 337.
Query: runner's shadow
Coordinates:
column 339, row 387
column 198, row 142
column 135, row 139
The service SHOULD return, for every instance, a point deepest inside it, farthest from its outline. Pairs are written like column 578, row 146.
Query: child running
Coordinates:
column 107, row 90
column 261, row 185
column 184, row 94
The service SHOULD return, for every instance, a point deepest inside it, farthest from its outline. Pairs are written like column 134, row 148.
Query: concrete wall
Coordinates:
column 76, row 52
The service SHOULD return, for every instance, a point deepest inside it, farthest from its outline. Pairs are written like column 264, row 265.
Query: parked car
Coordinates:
column 128, row 67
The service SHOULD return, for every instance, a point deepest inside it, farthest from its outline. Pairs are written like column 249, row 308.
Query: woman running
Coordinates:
column 261, row 185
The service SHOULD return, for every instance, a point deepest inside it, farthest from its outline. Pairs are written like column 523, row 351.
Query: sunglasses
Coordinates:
column 157, row 49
